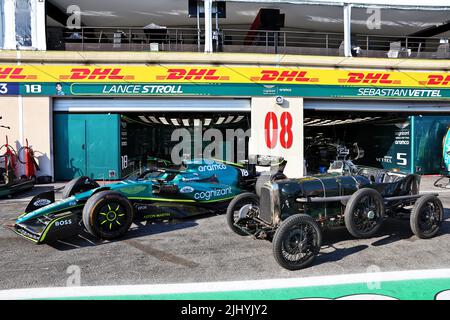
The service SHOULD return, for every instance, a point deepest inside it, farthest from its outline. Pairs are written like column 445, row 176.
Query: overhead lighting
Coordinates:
column 220, row 120
column 154, row 119
column 208, row 122
column 196, row 122
column 163, row 120
column 239, row 118
column 186, row 122
column 229, row 119
column 143, row 118
column 313, row 121
column 175, row 122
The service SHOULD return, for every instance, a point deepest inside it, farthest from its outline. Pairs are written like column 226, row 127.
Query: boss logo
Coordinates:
column 63, row 222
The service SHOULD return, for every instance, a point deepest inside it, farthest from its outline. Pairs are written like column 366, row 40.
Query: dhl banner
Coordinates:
column 219, row 80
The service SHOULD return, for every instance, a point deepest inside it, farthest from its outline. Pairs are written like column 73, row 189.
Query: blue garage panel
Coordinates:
column 86, row 144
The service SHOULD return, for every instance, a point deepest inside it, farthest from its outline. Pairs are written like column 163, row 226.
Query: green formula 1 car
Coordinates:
column 107, row 212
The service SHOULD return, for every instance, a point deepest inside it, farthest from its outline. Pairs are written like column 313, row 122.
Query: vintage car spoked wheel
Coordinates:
column 243, row 204
column 297, row 242
column 107, row 215
column 426, row 216
column 364, row 213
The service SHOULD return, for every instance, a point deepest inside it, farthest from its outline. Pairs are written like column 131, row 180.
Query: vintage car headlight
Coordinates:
column 270, row 203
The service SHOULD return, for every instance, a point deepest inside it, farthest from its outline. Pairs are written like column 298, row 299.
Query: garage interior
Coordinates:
column 406, row 142
column 149, row 135
column 107, row 138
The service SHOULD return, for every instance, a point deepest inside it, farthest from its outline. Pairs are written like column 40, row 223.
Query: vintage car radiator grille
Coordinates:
column 266, row 203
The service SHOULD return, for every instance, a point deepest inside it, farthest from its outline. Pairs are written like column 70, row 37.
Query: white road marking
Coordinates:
column 204, row 287
column 435, row 191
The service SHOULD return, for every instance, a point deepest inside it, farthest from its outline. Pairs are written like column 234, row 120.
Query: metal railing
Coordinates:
column 239, row 40
column 131, row 39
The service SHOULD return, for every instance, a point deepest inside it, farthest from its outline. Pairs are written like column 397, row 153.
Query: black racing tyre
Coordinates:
column 79, row 185
column 241, row 202
column 108, row 215
column 297, row 242
column 426, row 216
column 364, row 213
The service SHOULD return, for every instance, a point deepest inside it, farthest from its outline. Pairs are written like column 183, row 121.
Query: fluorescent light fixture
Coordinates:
column 163, row 120
column 153, row 119
column 186, row 122
column 229, row 119
column 196, row 122
column 239, row 118
column 175, row 122
column 207, row 122
column 143, row 118
column 220, row 120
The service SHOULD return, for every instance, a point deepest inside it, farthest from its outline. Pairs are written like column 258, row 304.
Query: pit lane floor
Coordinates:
column 204, row 250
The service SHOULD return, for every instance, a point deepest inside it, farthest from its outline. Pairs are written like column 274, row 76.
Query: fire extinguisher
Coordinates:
column 30, row 163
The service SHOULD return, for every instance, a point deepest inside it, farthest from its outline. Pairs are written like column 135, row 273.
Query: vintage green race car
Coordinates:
column 107, row 212
column 293, row 212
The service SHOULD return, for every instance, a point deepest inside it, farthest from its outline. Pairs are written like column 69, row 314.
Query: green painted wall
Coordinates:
column 86, row 144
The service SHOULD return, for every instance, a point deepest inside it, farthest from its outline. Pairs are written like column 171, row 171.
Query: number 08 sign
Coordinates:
column 277, row 130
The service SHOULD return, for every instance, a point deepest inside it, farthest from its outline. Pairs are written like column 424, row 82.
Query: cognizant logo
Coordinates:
column 212, row 167
column 206, row 195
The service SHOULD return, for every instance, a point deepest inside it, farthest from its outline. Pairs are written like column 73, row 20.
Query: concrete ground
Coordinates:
column 204, row 249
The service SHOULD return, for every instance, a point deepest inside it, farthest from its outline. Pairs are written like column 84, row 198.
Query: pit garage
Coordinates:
column 110, row 138
column 107, row 139
column 395, row 135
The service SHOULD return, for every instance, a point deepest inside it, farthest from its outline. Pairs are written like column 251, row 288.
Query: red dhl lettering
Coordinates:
column 97, row 73
column 372, row 77
column 192, row 74
column 436, row 79
column 12, row 73
column 281, row 76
